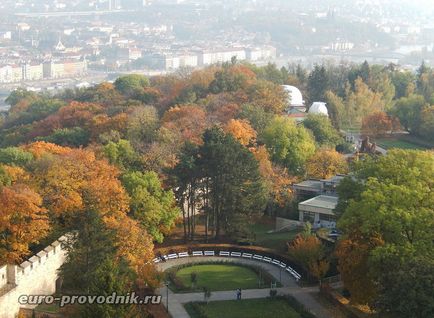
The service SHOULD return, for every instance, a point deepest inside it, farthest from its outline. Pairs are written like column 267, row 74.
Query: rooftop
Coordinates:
column 322, row 204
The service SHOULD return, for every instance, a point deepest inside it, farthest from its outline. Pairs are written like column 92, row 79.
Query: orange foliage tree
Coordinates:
column 23, row 221
column 353, row 253
column 188, row 122
column 377, row 124
column 276, row 178
column 242, row 131
column 309, row 252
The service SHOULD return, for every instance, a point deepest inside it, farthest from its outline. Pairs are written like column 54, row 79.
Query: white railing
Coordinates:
column 257, row 257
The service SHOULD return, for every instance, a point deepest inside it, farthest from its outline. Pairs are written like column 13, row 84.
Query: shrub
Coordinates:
column 298, row 307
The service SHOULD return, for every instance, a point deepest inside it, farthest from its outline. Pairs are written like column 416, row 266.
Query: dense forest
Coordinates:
column 120, row 164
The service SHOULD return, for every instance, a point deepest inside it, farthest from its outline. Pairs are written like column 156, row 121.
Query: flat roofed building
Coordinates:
column 319, row 211
column 312, row 187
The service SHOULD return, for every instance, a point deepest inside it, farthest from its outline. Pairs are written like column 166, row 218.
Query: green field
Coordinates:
column 221, row 277
column 396, row 143
column 276, row 241
column 251, row 308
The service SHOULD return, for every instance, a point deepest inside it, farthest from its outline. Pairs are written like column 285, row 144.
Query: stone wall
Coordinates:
column 36, row 276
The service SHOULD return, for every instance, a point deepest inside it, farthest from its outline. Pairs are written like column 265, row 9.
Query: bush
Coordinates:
column 298, row 307
column 176, row 282
column 198, row 309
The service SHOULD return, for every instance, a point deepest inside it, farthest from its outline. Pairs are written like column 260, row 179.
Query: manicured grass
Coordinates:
column 275, row 241
column 221, row 277
column 217, row 277
column 252, row 308
column 396, row 143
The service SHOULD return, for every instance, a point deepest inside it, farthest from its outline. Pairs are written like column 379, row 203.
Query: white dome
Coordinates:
column 295, row 97
column 319, row 108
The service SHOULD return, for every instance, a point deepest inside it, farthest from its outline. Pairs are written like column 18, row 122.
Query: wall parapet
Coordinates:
column 36, row 275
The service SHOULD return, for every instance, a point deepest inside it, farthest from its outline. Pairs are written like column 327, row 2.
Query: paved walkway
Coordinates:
column 303, row 295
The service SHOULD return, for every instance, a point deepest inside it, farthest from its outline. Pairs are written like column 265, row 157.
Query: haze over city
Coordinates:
column 216, row 158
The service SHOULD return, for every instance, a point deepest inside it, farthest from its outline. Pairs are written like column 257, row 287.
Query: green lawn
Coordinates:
column 396, row 143
column 275, row 241
column 251, row 308
column 221, row 277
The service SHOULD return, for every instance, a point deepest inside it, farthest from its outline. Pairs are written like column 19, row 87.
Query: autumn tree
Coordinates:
column 377, row 124
column 187, row 122
column 276, row 180
column 269, row 96
column 326, row 163
column 23, row 221
column 143, row 123
column 231, row 79
column 309, row 252
column 360, row 102
column 242, row 131
column 257, row 116
column 353, row 254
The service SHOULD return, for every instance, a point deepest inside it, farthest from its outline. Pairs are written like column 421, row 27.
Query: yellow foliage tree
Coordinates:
column 326, row 163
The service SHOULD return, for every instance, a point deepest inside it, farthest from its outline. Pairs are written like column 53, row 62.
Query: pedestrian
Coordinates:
column 240, row 294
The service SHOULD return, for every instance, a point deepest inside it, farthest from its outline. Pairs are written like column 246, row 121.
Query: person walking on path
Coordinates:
column 238, row 294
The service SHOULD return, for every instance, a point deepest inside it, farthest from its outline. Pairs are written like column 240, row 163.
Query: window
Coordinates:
column 327, row 217
column 309, row 216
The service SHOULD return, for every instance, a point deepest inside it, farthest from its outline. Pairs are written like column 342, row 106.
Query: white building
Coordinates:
column 11, row 73
column 319, row 211
column 261, row 53
column 220, row 56
column 319, row 108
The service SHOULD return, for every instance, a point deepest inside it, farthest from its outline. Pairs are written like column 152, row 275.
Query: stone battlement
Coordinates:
column 35, row 276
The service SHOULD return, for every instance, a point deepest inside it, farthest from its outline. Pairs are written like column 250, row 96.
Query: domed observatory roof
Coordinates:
column 319, row 108
column 295, row 97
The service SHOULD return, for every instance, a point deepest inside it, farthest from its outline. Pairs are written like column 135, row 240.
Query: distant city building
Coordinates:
column 11, row 73
column 129, row 54
column 209, row 57
column 169, row 61
column 114, row 5
column 33, row 71
column 341, row 46
column 64, row 68
column 261, row 53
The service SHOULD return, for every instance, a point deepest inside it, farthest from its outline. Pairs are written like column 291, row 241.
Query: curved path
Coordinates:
column 303, row 295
